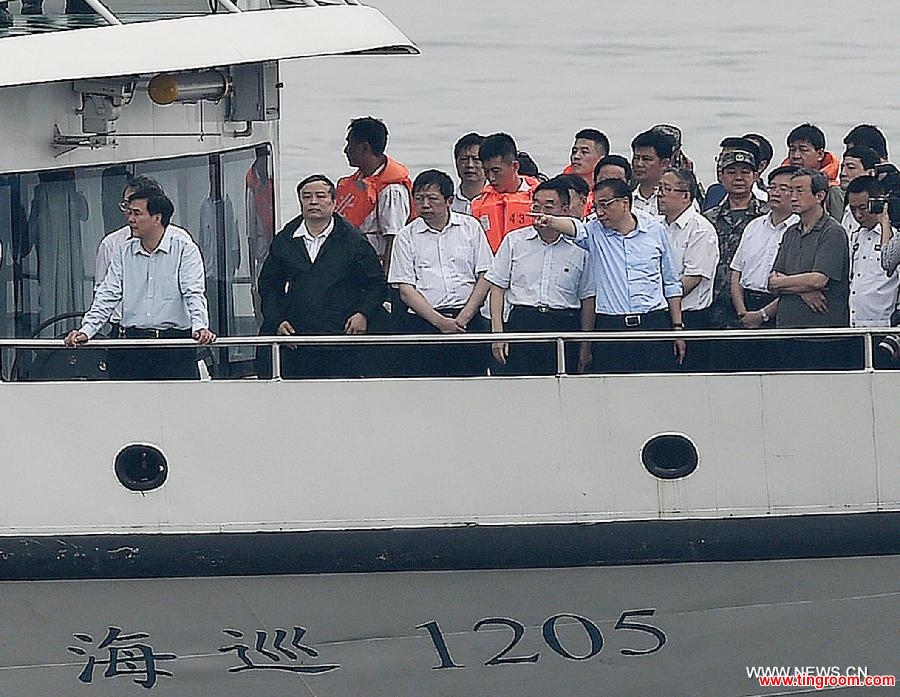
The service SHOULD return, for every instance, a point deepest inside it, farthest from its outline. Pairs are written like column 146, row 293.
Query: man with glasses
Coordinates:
column 469, row 171
column 545, row 280
column 695, row 247
column 437, row 264
column 635, row 279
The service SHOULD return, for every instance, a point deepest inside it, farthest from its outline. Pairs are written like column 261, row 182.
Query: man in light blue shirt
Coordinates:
column 158, row 277
column 635, row 278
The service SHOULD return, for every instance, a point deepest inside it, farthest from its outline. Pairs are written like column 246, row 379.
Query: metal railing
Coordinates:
column 275, row 343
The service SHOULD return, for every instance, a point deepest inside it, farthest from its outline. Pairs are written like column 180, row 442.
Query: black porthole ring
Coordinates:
column 141, row 467
column 670, row 456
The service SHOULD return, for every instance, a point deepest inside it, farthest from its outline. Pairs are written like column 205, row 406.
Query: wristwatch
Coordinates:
column 765, row 317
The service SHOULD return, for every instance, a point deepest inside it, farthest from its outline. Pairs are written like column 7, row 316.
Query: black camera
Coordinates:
column 890, row 344
column 889, row 177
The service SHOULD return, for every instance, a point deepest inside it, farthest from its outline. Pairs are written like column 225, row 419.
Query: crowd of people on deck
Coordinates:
column 610, row 244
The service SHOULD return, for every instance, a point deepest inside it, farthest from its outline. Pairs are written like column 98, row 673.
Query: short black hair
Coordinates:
column 527, row 166
column 559, row 185
column 806, row 131
column 817, row 180
column 619, row 188
column 870, row 136
column 141, row 181
column 498, row 145
column 784, row 169
column 766, row 151
column 866, row 183
column 867, row 156
column 615, row 161
column 368, row 129
column 574, row 182
column 662, row 144
column 434, row 177
column 467, row 141
column 745, row 144
column 317, row 178
column 687, row 179
column 157, row 203
column 599, row 137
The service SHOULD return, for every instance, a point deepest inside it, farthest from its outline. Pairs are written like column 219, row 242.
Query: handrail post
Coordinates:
column 276, row 362
column 560, row 356
column 869, row 351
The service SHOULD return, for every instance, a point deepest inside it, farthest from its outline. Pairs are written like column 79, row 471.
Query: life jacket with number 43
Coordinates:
column 357, row 196
column 500, row 214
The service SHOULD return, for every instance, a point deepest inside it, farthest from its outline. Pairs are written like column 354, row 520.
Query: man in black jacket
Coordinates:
column 321, row 277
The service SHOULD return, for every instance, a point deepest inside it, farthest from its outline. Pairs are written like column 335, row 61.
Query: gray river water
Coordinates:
column 542, row 71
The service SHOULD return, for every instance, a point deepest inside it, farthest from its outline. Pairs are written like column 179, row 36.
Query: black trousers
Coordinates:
column 153, row 363
column 540, row 358
column 442, row 360
column 633, row 357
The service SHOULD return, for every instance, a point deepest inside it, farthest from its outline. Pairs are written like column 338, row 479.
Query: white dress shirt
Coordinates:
column 873, row 293
column 756, row 252
column 313, row 242
column 443, row 265
column 649, row 205
column 695, row 251
column 849, row 222
column 163, row 289
column 461, row 204
column 537, row 274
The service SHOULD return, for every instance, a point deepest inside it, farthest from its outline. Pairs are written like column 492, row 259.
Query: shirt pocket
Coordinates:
column 168, row 288
column 569, row 276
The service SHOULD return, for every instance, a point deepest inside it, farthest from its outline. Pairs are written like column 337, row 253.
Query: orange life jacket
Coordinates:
column 357, row 196
column 500, row 214
column 831, row 168
column 589, row 203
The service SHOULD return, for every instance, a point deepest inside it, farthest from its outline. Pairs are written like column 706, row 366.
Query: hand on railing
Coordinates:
column 75, row 337
column 204, row 337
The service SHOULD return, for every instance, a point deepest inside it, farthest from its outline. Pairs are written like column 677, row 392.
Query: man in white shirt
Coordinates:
column 469, row 171
column 545, row 279
column 652, row 155
column 873, row 292
column 857, row 161
column 376, row 198
column 752, row 262
column 437, row 264
column 157, row 276
column 695, row 246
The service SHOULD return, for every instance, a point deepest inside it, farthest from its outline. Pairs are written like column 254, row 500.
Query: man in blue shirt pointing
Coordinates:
column 635, row 278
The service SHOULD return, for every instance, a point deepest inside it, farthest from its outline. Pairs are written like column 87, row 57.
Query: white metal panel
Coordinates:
column 196, row 42
column 300, row 455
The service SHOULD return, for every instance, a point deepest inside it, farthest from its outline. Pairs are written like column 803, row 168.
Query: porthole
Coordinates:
column 670, row 456
column 141, row 467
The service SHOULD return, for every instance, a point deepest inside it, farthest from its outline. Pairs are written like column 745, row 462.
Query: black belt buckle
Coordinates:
column 632, row 321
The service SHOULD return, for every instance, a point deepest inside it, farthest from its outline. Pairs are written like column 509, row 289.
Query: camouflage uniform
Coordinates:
column 729, row 228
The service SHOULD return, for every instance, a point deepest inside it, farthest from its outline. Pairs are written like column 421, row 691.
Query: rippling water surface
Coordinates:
column 542, row 71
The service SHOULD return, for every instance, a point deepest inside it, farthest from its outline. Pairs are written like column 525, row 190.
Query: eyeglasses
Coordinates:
column 669, row 190
column 601, row 205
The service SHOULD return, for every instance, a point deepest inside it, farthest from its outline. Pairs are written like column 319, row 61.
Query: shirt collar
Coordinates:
column 784, row 224
column 303, row 231
column 419, row 225
column 165, row 244
column 682, row 220
column 531, row 234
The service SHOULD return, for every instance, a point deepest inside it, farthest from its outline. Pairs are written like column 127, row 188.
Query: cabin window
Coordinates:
column 51, row 224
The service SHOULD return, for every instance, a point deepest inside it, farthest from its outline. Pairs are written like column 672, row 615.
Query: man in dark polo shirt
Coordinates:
column 811, row 276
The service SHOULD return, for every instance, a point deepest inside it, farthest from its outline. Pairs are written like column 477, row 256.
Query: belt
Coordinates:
column 631, row 321
column 546, row 310
column 139, row 333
